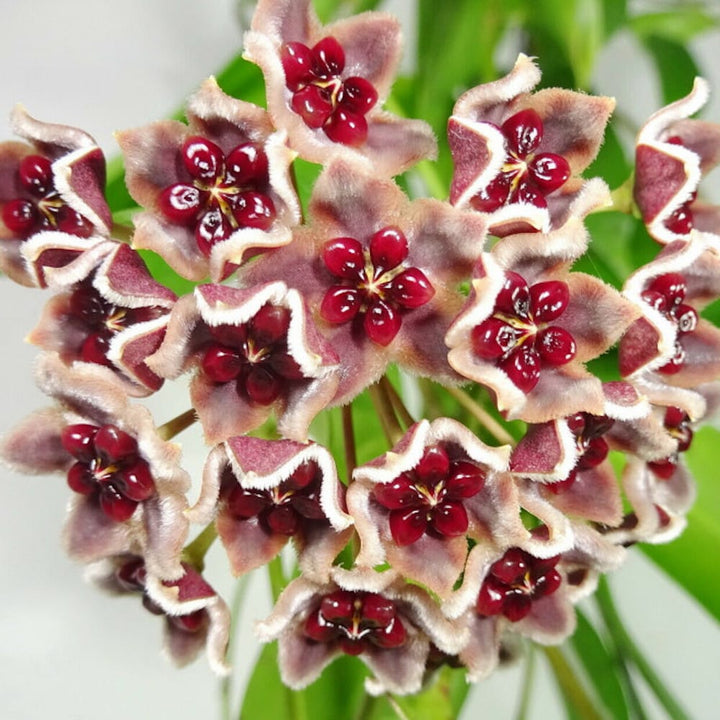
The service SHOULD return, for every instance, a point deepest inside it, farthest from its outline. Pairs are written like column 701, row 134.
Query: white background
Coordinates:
column 68, row 652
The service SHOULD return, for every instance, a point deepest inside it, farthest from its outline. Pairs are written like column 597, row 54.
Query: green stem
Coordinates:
column 397, row 403
column 349, row 441
column 482, row 416
column 366, row 710
column 569, row 685
column 175, row 426
column 195, row 552
column 627, row 647
column 226, row 684
column 386, row 414
column 527, row 685
column 276, row 577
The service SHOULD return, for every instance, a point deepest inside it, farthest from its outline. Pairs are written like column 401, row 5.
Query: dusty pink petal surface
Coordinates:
column 297, row 363
column 156, row 525
column 571, row 125
column 398, row 667
column 154, row 160
column 351, row 207
column 112, row 315
column 69, row 208
column 372, row 46
column 673, row 153
column 271, row 491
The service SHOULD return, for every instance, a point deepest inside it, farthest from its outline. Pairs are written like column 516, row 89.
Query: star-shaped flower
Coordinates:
column 196, row 617
column 269, row 492
column 254, row 350
column 518, row 155
column 129, row 489
column 215, row 191
column 325, row 85
column 111, row 314
column 673, row 152
column 379, row 273
column 53, row 185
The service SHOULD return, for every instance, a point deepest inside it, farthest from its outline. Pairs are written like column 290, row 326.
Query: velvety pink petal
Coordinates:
column 33, row 446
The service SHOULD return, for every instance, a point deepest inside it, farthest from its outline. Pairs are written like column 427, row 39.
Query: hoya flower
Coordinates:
column 379, row 273
column 528, row 327
column 325, row 85
column 253, row 350
column 196, row 617
column 128, row 488
column 54, row 185
column 671, row 341
column 673, row 152
column 390, row 625
column 517, row 592
column 271, row 491
column 216, row 191
column 114, row 315
column 518, row 155
column 415, row 506
column 567, row 458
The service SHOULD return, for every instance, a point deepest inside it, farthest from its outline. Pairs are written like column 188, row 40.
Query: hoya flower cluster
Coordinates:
column 444, row 547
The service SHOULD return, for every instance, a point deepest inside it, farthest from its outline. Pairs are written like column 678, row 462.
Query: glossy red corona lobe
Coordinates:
column 99, row 320
column 430, row 497
column 291, row 507
column 223, row 193
column 38, row 206
column 108, row 468
column 526, row 175
column 254, row 355
column 666, row 293
column 514, row 582
column 376, row 286
column 322, row 97
column 519, row 337
column 355, row 622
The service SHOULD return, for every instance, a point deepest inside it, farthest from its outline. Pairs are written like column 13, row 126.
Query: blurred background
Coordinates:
column 68, row 652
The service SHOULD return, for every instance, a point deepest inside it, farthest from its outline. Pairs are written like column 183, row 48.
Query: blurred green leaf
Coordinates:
column 442, row 699
column 689, row 559
column 165, row 275
column 679, row 25
column 265, row 695
column 615, row 16
column 676, row 67
column 600, row 667
column 578, row 704
column 610, row 164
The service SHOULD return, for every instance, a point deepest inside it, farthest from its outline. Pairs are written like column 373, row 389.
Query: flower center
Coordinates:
column 514, row 582
column 255, row 355
column 108, row 467
column 321, row 97
column 376, row 285
column 518, row 335
column 38, row 205
column 666, row 294
column 526, row 176
column 285, row 509
column 225, row 194
column 429, row 498
column 355, row 621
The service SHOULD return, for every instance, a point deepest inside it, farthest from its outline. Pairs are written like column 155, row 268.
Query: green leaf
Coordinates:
column 266, row 696
column 688, row 559
column 165, row 275
column 680, row 25
column 600, row 667
column 615, row 16
column 611, row 163
column 675, row 66
column 440, row 700
column 578, row 704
